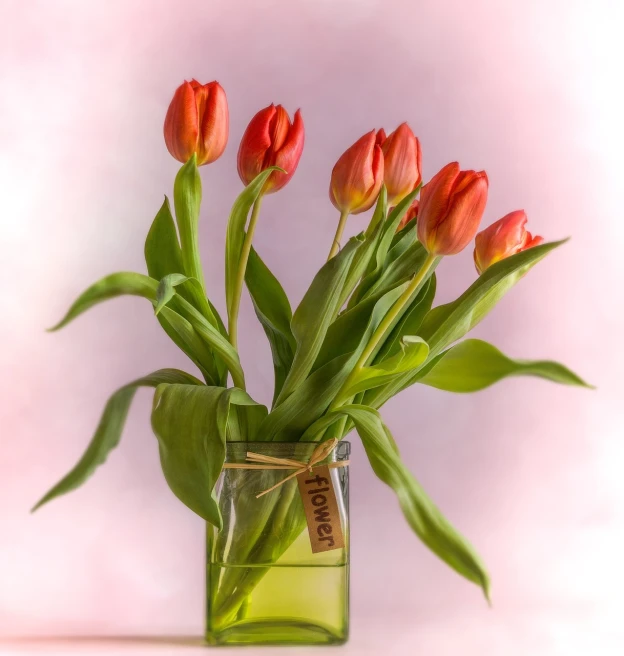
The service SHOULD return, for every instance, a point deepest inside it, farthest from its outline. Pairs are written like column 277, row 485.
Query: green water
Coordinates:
column 290, row 604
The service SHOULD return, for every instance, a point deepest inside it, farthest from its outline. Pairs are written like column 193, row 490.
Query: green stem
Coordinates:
column 338, row 236
column 240, row 275
column 385, row 326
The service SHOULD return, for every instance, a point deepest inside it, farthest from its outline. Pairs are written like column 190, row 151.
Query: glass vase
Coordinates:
column 264, row 584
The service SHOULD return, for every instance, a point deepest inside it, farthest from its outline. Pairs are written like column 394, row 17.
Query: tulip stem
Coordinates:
column 338, row 236
column 240, row 275
column 385, row 326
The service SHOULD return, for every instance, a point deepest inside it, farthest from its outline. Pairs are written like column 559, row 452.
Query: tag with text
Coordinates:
column 321, row 509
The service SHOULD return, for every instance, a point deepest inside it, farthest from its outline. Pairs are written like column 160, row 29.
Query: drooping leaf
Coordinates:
column 473, row 365
column 191, row 424
column 421, row 513
column 413, row 352
column 235, row 235
column 112, row 286
column 274, row 313
column 318, row 308
column 108, row 432
column 188, row 288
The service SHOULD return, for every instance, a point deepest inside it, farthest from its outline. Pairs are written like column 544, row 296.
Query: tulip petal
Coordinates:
column 401, row 163
column 181, row 128
column 254, row 144
column 215, row 120
column 289, row 154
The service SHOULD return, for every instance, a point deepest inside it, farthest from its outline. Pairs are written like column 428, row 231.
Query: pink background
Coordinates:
column 530, row 471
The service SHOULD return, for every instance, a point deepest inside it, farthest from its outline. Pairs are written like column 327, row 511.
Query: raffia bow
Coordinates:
column 261, row 461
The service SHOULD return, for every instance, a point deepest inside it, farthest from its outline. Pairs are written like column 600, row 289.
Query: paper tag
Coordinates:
column 321, row 509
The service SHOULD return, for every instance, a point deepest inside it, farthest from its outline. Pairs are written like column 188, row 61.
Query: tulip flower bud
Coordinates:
column 451, row 207
column 402, row 163
column 197, row 122
column 411, row 213
column 271, row 140
column 503, row 238
column 357, row 177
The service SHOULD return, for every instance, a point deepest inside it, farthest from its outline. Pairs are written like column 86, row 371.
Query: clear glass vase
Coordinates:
column 264, row 584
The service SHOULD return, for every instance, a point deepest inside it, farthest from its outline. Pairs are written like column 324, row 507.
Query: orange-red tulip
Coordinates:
column 402, row 163
column 271, row 140
column 412, row 213
column 357, row 177
column 451, row 207
column 502, row 239
column 197, row 122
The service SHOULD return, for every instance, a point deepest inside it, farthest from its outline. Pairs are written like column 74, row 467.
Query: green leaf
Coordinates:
column 235, row 235
column 445, row 324
column 112, row 286
column 166, row 292
column 376, row 264
column 371, row 238
column 109, row 430
column 162, row 250
column 317, row 310
column 274, row 313
column 413, row 353
column 191, row 424
column 411, row 320
column 345, row 341
column 400, row 269
column 423, row 516
column 187, row 196
column 178, row 327
column 474, row 365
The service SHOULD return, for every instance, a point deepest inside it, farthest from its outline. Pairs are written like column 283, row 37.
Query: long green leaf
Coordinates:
column 274, row 313
column 445, row 324
column 235, row 235
column 421, row 513
column 112, row 286
column 318, row 308
column 474, row 365
column 108, row 432
column 191, row 424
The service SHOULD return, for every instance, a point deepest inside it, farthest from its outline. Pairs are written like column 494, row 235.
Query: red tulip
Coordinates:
column 412, row 213
column 357, row 177
column 451, row 207
column 402, row 163
column 197, row 122
column 271, row 140
column 502, row 239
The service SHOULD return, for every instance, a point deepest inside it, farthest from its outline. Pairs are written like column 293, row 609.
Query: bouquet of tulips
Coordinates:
column 365, row 329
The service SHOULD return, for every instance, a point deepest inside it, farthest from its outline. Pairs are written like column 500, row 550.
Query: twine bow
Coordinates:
column 261, row 461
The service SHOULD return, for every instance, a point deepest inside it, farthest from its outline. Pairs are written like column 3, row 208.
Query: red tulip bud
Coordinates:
column 271, row 140
column 502, row 239
column 451, row 207
column 197, row 122
column 402, row 163
column 357, row 177
column 411, row 213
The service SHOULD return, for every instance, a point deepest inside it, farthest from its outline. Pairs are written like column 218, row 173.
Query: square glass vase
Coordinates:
column 264, row 585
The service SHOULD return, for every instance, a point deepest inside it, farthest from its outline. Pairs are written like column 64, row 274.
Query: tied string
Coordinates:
column 261, row 461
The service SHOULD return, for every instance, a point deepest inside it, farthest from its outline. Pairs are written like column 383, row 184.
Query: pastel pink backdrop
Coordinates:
column 530, row 471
